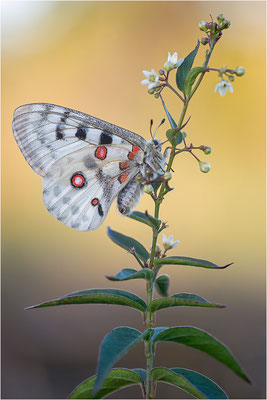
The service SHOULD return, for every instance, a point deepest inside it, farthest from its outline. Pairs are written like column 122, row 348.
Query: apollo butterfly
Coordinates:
column 85, row 162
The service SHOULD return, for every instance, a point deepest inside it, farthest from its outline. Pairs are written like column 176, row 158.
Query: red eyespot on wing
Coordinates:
column 124, row 165
column 95, row 202
column 136, row 149
column 122, row 178
column 78, row 180
column 131, row 154
column 101, row 152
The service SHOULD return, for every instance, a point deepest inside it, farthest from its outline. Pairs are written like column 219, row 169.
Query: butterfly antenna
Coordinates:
column 162, row 122
column 151, row 124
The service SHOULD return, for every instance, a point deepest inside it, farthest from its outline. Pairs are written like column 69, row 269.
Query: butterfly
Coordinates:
column 85, row 162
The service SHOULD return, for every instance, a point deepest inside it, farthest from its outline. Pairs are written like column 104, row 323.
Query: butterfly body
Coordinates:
column 85, row 162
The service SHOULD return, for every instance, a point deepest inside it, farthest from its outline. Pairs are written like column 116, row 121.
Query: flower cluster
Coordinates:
column 154, row 81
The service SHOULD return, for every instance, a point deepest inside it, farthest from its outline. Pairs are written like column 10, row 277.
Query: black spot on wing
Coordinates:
column 59, row 133
column 100, row 210
column 81, row 133
column 64, row 117
column 105, row 138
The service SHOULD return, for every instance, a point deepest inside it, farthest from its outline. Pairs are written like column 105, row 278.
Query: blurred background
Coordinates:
column 89, row 56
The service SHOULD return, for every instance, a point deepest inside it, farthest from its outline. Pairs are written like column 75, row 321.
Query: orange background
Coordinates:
column 89, row 56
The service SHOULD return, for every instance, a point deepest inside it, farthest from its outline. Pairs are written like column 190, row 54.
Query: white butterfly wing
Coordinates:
column 79, row 196
column 47, row 132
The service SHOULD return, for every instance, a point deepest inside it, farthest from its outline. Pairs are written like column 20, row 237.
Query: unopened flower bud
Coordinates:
column 156, row 95
column 225, row 24
column 207, row 150
column 231, row 78
column 151, row 91
column 203, row 26
column 240, row 71
column 204, row 41
column 161, row 72
column 204, row 166
column 148, row 189
column 220, row 18
column 167, row 176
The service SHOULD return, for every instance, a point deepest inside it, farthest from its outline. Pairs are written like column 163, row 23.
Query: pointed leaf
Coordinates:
column 191, row 77
column 201, row 340
column 162, row 284
column 98, row 296
column 194, row 262
column 185, row 67
column 145, row 219
column 128, row 243
column 171, row 120
column 128, row 273
column 181, row 299
column 115, row 345
column 117, row 379
column 192, row 382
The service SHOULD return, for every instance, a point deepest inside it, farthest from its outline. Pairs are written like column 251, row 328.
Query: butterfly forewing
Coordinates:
column 46, row 132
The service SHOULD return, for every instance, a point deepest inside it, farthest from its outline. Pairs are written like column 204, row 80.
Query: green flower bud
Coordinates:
column 204, row 166
column 231, row 78
column 161, row 72
column 151, row 91
column 225, row 24
column 220, row 18
column 204, row 41
column 240, row 71
column 207, row 150
column 156, row 95
column 167, row 176
column 148, row 189
column 203, row 26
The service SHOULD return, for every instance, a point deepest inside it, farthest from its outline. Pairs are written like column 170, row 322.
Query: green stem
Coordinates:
column 150, row 285
column 148, row 343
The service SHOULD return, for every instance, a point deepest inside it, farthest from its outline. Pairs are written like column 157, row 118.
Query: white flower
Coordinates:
column 151, row 80
column 222, row 86
column 168, row 243
column 172, row 62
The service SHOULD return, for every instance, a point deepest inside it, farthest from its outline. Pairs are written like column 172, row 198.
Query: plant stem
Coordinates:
column 150, row 285
column 148, row 343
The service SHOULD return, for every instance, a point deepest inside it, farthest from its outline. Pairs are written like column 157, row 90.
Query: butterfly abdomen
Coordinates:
column 129, row 197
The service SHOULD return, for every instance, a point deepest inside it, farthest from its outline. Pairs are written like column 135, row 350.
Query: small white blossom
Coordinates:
column 172, row 62
column 168, row 243
column 151, row 80
column 222, row 86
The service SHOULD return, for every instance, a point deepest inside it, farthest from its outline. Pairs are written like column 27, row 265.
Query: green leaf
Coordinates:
column 194, row 262
column 171, row 120
column 145, row 219
column 162, row 284
column 185, row 67
column 181, row 299
column 127, row 273
column 192, row 382
column 141, row 372
column 98, row 296
column 191, row 77
column 128, row 243
column 117, row 379
column 201, row 340
column 115, row 345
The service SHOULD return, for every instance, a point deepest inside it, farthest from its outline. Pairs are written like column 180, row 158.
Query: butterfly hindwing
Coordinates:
column 79, row 188
column 46, row 133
